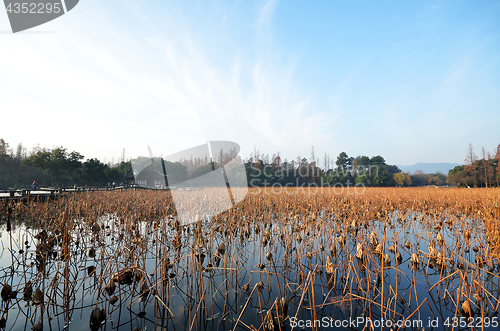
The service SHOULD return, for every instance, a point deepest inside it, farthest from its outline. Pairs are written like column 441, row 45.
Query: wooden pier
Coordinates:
column 26, row 195
column 42, row 194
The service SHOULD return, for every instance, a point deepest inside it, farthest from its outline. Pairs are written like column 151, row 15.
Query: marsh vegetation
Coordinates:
column 122, row 260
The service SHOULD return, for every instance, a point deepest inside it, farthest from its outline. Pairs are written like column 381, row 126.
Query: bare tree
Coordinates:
column 490, row 169
column 256, row 154
column 497, row 157
column 20, row 152
column 470, row 158
column 483, row 153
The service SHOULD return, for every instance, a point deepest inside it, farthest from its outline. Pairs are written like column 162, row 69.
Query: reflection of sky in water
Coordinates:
column 224, row 297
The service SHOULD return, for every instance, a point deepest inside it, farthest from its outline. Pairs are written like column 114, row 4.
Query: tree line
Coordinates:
column 363, row 170
column 345, row 171
column 477, row 172
column 56, row 167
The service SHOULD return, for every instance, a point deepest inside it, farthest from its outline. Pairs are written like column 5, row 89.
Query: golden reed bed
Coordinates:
column 320, row 252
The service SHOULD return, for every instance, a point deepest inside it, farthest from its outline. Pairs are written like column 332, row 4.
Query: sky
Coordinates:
column 413, row 81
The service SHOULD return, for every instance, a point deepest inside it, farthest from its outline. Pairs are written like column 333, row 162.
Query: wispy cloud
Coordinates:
column 266, row 13
column 174, row 96
column 171, row 76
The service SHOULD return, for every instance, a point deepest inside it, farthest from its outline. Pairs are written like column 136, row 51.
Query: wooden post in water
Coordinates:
column 9, row 212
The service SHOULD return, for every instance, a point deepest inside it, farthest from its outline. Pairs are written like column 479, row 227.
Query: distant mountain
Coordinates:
column 429, row 168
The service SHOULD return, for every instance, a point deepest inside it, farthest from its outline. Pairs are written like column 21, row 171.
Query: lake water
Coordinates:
column 204, row 288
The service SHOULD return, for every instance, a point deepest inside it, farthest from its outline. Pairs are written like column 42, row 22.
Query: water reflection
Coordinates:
column 144, row 273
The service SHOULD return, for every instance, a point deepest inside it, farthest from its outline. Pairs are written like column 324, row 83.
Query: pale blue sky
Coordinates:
column 411, row 81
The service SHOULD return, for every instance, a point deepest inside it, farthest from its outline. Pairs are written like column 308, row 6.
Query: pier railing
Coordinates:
column 53, row 193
